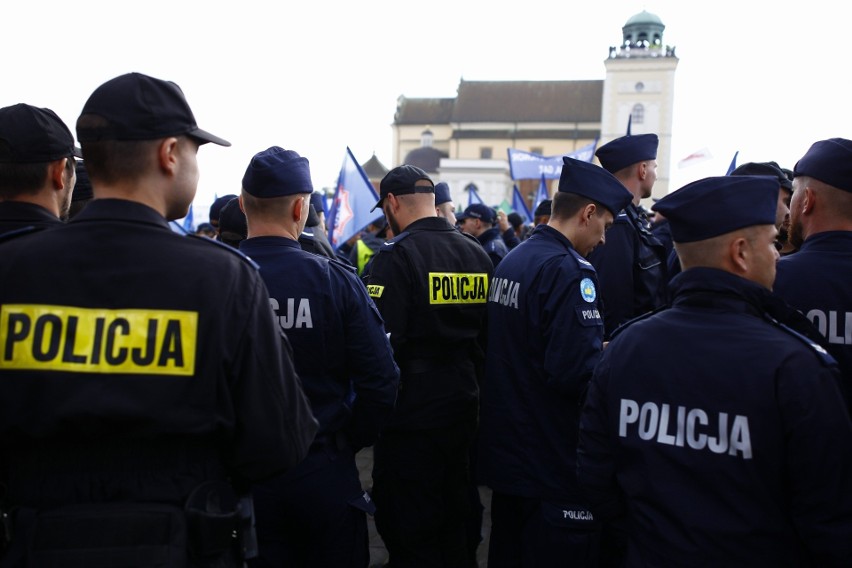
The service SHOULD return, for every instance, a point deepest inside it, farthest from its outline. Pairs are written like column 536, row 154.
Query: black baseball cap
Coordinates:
column 33, row 135
column 401, row 181
column 764, row 169
column 139, row 107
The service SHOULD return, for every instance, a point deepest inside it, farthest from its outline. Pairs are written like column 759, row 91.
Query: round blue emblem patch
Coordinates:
column 587, row 290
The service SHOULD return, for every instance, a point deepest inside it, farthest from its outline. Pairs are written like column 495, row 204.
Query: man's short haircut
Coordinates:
column 22, row 179
column 838, row 200
column 269, row 208
column 566, row 205
column 710, row 252
column 109, row 161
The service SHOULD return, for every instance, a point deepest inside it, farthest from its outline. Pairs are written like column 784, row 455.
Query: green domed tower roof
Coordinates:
column 643, row 30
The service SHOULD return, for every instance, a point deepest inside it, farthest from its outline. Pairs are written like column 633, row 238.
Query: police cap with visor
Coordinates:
column 714, row 206
column 401, row 181
column 595, row 183
column 138, row 107
column 622, row 152
column 30, row 134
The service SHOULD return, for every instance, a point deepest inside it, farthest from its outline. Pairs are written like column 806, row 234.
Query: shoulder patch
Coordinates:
column 630, row 322
column 337, row 263
column 469, row 236
column 820, row 352
column 387, row 246
column 229, row 248
column 582, row 262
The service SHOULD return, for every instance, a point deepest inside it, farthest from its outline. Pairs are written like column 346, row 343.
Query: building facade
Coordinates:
column 464, row 141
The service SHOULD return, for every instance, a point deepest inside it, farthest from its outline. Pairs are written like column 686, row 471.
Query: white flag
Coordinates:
column 701, row 155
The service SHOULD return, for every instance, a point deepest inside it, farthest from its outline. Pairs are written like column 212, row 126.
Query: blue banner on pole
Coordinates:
column 473, row 196
column 733, row 165
column 528, row 165
column 519, row 205
column 542, row 193
column 350, row 209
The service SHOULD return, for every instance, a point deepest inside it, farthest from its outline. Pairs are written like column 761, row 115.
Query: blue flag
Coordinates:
column 519, row 205
column 473, row 196
column 542, row 193
column 733, row 165
column 188, row 221
column 527, row 165
column 350, row 209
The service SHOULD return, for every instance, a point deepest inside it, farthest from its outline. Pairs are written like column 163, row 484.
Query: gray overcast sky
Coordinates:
column 766, row 79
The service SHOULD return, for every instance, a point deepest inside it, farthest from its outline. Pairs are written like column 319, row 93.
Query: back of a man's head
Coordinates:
column 276, row 190
column 31, row 138
column 124, row 120
column 825, row 169
column 708, row 215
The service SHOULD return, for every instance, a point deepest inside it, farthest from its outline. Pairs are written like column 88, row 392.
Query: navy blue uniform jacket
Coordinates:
column 817, row 280
column 544, row 339
column 340, row 348
column 631, row 268
column 493, row 243
column 723, row 433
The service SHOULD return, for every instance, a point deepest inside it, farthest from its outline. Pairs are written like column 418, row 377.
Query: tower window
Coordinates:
column 485, row 153
column 638, row 114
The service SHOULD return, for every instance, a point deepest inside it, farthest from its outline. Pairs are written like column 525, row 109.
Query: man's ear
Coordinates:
column 809, row 200
column 589, row 211
column 299, row 209
column 739, row 254
column 167, row 154
column 56, row 173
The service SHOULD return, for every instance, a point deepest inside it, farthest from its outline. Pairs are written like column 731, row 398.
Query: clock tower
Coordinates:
column 639, row 87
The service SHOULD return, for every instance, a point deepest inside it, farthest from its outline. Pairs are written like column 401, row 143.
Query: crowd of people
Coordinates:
column 637, row 388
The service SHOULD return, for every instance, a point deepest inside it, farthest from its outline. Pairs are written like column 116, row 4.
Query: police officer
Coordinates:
column 720, row 432
column 782, row 211
column 233, row 227
column 632, row 264
column 82, row 190
column 37, row 168
column 816, row 279
column 313, row 238
column 367, row 244
column 430, row 284
column 480, row 221
column 314, row 515
column 216, row 208
column 530, row 400
column 142, row 373
column 444, row 205
column 541, row 215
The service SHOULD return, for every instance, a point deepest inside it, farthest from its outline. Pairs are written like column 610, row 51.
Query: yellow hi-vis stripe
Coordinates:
column 85, row 340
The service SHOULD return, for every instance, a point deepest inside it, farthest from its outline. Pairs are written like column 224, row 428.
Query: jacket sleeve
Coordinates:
column 819, row 460
column 573, row 330
column 614, row 264
column 370, row 366
column 595, row 452
column 274, row 425
column 391, row 288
